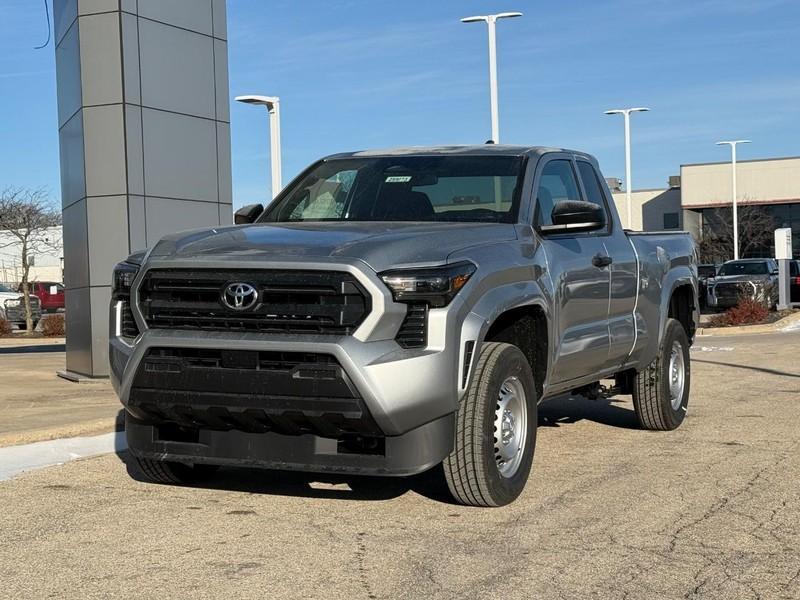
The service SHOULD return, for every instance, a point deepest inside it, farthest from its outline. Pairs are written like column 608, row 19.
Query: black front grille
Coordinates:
column 733, row 290
column 299, row 302
column 255, row 391
column 413, row 332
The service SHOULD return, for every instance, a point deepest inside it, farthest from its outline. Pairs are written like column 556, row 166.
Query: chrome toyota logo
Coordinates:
column 239, row 296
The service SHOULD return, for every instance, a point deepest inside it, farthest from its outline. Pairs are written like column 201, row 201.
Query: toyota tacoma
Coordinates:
column 390, row 311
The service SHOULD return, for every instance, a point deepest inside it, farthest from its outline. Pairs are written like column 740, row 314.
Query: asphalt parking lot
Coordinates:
column 711, row 510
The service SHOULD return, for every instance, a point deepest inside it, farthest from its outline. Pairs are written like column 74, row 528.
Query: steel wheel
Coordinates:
column 676, row 375
column 510, row 426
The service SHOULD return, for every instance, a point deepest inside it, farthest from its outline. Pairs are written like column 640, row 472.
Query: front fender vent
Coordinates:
column 413, row 332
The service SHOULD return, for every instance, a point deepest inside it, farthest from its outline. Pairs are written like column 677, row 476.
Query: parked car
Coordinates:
column 50, row 293
column 705, row 273
column 371, row 321
column 794, row 284
column 754, row 278
column 12, row 307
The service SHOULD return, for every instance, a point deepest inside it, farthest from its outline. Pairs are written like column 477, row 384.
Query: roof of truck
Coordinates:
column 474, row 150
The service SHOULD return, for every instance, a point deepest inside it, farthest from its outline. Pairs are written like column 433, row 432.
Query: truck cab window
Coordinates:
column 557, row 182
column 591, row 185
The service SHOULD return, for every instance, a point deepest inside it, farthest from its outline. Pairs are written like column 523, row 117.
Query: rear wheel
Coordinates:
column 495, row 433
column 161, row 471
column 661, row 390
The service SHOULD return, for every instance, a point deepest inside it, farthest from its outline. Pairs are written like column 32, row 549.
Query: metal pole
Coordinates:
column 492, row 22
column 735, row 207
column 275, row 146
column 626, row 116
column 734, row 200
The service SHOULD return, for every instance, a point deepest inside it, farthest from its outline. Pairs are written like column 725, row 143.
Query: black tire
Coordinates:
column 651, row 387
column 172, row 473
column 472, row 472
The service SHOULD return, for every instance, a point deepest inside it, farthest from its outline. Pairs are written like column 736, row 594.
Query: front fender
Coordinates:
column 486, row 311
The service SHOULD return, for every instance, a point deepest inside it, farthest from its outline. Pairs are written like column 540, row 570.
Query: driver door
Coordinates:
column 581, row 289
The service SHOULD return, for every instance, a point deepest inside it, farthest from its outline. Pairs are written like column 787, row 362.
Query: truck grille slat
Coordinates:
column 298, row 302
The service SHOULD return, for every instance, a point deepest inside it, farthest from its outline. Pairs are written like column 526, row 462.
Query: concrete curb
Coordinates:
column 86, row 428
column 791, row 321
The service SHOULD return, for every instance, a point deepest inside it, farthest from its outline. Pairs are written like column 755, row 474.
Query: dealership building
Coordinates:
column 692, row 200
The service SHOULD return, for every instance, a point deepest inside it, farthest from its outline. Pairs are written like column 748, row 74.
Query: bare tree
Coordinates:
column 756, row 227
column 26, row 215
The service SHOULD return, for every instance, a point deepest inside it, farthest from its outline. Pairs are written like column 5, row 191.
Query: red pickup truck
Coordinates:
column 51, row 294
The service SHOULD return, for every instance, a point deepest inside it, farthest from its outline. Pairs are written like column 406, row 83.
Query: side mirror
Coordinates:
column 247, row 214
column 575, row 215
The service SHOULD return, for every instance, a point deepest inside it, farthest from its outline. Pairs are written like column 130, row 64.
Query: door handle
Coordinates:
column 600, row 261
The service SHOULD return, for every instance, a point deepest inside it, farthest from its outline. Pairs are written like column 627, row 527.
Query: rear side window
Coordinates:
column 557, row 182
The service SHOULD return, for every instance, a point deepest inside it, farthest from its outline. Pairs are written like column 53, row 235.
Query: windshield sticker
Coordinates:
column 398, row 179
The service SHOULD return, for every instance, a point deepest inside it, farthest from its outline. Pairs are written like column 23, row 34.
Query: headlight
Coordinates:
column 13, row 303
column 437, row 286
column 122, row 279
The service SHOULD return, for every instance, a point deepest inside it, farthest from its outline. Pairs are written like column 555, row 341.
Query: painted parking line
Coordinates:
column 29, row 457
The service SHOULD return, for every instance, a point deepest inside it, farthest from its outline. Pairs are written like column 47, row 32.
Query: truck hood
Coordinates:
column 9, row 296
column 738, row 278
column 381, row 245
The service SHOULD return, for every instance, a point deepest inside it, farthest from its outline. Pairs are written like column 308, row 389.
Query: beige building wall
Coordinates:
column 649, row 208
column 770, row 180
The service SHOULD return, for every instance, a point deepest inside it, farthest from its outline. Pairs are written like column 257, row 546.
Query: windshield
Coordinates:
column 744, row 268
column 5, row 289
column 404, row 188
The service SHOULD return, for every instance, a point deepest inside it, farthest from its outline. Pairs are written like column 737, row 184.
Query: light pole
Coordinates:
column 732, row 144
column 491, row 21
column 273, row 104
column 626, row 113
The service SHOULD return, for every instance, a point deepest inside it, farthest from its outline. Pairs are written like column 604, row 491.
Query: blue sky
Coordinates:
column 357, row 74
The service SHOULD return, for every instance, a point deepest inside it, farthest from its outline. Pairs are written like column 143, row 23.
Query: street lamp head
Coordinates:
column 626, row 111
column 487, row 18
column 475, row 19
column 733, row 142
column 269, row 101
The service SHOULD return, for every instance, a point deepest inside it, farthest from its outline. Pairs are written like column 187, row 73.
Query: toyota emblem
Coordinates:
column 239, row 296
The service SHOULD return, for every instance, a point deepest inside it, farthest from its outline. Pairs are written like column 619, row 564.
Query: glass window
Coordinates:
column 557, row 182
column 745, row 268
column 672, row 220
column 594, row 192
column 405, row 188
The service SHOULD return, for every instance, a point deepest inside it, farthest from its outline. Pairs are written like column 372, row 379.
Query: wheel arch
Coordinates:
column 526, row 326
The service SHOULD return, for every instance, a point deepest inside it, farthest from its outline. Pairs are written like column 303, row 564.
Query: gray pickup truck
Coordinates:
column 395, row 310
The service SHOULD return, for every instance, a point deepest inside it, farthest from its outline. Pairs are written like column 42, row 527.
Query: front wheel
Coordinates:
column 495, row 433
column 661, row 390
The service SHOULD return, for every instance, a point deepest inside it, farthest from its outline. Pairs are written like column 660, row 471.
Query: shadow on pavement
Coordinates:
column 34, row 349
column 431, row 484
column 313, row 485
column 749, row 368
column 571, row 409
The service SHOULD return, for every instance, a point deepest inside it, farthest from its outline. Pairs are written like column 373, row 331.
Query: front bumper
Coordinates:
column 413, row 452
column 409, row 394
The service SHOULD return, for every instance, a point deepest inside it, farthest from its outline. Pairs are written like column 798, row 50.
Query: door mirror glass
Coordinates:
column 247, row 214
column 575, row 215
